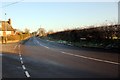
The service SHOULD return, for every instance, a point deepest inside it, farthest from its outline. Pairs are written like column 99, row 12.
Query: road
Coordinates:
column 0, row 63
column 39, row 58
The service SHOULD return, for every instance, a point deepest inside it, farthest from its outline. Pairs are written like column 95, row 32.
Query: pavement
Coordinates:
column 14, row 41
column 38, row 58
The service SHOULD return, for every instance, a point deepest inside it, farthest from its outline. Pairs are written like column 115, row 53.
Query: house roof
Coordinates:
column 5, row 26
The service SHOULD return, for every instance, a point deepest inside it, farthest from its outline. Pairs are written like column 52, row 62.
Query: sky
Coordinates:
column 59, row 16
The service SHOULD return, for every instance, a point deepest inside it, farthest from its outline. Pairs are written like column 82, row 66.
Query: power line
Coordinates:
column 11, row 4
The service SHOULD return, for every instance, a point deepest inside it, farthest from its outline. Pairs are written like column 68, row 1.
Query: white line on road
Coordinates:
column 46, row 47
column 85, row 57
column 20, row 58
column 20, row 55
column 41, row 44
column 19, row 46
column 0, row 54
column 23, row 67
column 50, row 41
column 34, row 42
column 19, row 52
column 15, row 47
column 21, row 62
column 106, row 61
column 27, row 74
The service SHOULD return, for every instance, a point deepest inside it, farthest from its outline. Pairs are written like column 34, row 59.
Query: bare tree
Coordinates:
column 27, row 31
column 41, row 32
column 50, row 32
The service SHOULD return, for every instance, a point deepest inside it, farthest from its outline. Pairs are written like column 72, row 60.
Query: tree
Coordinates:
column 41, row 32
column 34, row 33
column 26, row 31
column 50, row 32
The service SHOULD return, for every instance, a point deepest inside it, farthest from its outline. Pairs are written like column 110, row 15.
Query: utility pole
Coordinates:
column 5, row 29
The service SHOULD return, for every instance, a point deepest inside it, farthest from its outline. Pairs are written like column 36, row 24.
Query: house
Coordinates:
column 6, row 28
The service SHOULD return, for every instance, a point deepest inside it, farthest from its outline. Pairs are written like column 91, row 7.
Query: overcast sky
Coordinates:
column 59, row 15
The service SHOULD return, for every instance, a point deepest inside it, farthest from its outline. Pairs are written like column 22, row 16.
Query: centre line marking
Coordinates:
column 20, row 55
column 20, row 58
column 0, row 54
column 21, row 61
column 90, row 58
column 15, row 47
column 23, row 67
column 19, row 46
column 27, row 74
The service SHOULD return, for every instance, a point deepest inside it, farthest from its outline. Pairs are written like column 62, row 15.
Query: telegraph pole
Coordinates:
column 5, row 29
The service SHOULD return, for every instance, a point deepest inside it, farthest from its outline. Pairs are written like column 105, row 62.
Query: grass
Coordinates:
column 14, row 38
column 105, row 44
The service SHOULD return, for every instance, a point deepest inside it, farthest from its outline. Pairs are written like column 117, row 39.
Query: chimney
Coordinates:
column 9, row 21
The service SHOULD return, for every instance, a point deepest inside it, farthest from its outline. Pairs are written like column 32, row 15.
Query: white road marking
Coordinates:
column 49, row 41
column 19, row 46
column 20, row 58
column 34, row 42
column 46, row 47
column 20, row 55
column 85, row 57
column 0, row 54
column 95, row 59
column 15, row 47
column 19, row 52
column 21, row 62
column 27, row 74
column 37, row 42
column 23, row 67
column 69, row 44
column 41, row 44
